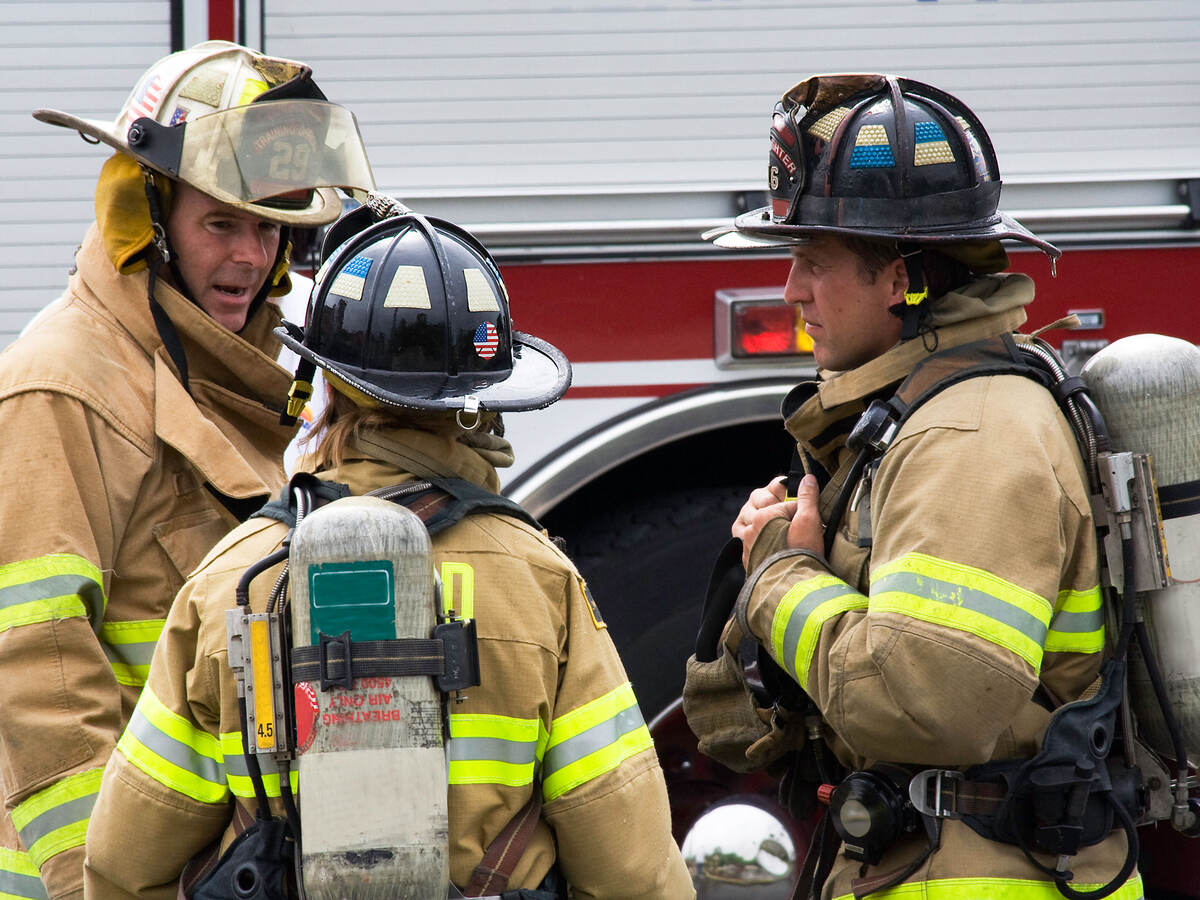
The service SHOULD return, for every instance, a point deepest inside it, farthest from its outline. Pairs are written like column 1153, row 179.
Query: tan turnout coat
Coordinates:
column 106, row 508
column 926, row 649
column 547, row 665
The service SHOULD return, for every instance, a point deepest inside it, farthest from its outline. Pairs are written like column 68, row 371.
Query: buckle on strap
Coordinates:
column 934, row 792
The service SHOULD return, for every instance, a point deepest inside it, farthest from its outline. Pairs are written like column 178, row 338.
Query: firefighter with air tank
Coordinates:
column 923, row 594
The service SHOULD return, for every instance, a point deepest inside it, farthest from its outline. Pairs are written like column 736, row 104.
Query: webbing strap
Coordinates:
column 402, row 656
column 938, row 371
column 506, row 849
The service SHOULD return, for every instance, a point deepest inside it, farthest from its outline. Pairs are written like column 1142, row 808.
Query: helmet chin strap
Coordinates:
column 916, row 295
column 162, row 322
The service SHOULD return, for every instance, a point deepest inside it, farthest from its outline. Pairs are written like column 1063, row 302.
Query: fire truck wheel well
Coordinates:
column 644, row 536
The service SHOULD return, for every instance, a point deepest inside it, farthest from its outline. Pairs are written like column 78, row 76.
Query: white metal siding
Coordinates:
column 523, row 115
column 672, row 98
column 82, row 57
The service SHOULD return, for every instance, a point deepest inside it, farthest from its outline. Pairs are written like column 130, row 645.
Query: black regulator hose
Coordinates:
column 1164, row 701
column 1131, row 857
column 242, row 591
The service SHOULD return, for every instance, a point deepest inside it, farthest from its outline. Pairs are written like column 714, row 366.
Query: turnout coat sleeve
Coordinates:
column 929, row 649
column 177, row 768
column 61, row 701
column 605, row 795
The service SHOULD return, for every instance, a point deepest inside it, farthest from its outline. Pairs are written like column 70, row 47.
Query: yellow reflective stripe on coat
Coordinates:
column 19, row 877
column 1078, row 623
column 57, row 586
column 489, row 749
column 173, row 751
column 593, row 739
column 129, row 647
column 963, row 597
column 798, row 618
column 237, row 773
column 994, row 889
column 56, row 818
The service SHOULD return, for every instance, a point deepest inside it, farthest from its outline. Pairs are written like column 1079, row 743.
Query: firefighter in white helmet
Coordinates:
column 409, row 323
column 928, row 598
column 141, row 412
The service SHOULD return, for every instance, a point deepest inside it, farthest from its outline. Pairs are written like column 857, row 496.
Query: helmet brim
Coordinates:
column 325, row 206
column 540, row 375
column 754, row 231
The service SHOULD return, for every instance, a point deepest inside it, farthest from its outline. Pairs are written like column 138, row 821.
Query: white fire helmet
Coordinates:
column 251, row 130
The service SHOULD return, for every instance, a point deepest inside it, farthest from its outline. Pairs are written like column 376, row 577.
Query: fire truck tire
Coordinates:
column 647, row 563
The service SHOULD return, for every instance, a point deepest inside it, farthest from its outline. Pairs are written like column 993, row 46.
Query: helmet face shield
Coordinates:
column 273, row 150
column 250, row 130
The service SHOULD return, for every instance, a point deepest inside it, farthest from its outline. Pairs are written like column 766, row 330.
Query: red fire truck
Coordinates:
column 589, row 143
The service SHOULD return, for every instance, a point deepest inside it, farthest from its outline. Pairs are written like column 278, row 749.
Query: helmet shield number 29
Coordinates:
column 272, row 152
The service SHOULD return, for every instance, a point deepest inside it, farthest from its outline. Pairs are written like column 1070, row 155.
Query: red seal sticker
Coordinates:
column 307, row 709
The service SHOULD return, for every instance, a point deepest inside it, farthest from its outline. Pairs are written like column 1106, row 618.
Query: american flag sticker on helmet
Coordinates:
column 480, row 296
column 487, row 339
column 408, row 289
column 148, row 99
column 349, row 282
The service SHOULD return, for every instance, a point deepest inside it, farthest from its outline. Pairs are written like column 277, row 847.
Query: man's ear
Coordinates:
column 895, row 275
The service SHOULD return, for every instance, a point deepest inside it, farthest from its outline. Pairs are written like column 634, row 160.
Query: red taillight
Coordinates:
column 768, row 329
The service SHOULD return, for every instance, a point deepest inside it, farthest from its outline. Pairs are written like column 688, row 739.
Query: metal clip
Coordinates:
column 932, row 792
column 160, row 242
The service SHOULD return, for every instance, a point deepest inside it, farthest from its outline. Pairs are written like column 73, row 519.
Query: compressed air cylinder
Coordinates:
column 373, row 794
column 1148, row 388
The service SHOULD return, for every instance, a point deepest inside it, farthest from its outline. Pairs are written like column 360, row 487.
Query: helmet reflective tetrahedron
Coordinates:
column 251, row 130
column 878, row 156
column 412, row 312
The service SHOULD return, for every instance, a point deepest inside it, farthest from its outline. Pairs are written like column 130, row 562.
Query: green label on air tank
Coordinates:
column 352, row 596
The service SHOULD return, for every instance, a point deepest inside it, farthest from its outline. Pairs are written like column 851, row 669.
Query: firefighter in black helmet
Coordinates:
column 409, row 322
column 439, row 335
column 925, row 585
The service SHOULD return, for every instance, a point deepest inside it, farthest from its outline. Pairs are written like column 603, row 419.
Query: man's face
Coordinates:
column 845, row 311
column 224, row 254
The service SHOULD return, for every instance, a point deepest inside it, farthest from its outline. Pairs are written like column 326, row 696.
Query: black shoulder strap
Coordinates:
column 283, row 508
column 878, row 426
column 449, row 499
column 439, row 505
column 938, row 371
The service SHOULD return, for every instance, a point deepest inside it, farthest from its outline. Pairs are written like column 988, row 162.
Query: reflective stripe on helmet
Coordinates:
column 593, row 739
column 19, row 877
column 965, row 598
column 56, row 818
column 799, row 616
